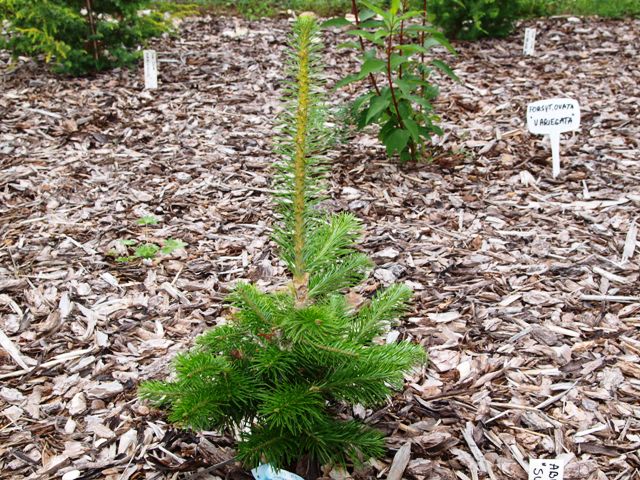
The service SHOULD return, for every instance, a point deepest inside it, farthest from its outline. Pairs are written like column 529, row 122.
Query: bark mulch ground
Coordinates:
column 524, row 296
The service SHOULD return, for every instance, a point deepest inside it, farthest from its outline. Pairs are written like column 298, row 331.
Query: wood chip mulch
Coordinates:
column 527, row 290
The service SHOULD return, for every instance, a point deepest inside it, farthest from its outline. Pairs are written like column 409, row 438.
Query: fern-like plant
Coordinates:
column 279, row 370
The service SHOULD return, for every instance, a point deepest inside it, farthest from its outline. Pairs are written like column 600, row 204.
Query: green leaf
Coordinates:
column 384, row 307
column 347, row 80
column 395, row 6
column 128, row 243
column 421, row 28
column 410, row 15
column 348, row 273
column 358, row 102
column 372, row 65
column 354, row 45
column 170, row 245
column 431, row 92
column 148, row 250
column 430, row 42
column 412, row 49
column 396, row 141
column 376, row 10
column 421, row 101
column 147, row 220
column 439, row 39
column 405, row 87
column 366, row 35
column 445, row 68
column 336, row 22
column 372, row 23
column 378, row 105
column 397, row 60
column 412, row 126
column 366, row 14
column 405, row 156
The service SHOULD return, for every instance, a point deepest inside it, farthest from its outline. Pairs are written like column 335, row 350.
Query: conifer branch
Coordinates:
column 249, row 302
column 330, row 349
column 384, row 307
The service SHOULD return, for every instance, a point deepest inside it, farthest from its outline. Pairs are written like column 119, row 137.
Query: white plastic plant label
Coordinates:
column 150, row 69
column 267, row 472
column 546, row 469
column 553, row 117
column 529, row 41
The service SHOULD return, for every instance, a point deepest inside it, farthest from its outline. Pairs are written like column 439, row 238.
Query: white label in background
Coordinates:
column 553, row 117
column 529, row 41
column 546, row 469
column 150, row 69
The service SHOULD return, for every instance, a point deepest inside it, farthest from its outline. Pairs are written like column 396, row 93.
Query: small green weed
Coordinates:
column 147, row 220
column 170, row 245
column 145, row 250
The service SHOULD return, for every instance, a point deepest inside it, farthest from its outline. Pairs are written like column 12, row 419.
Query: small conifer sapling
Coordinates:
column 278, row 371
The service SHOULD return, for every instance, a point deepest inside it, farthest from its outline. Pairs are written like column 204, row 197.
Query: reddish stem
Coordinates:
column 401, row 39
column 422, row 38
column 390, row 79
column 393, row 93
column 354, row 11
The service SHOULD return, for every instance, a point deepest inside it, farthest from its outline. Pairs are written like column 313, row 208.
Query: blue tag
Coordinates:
column 267, row 472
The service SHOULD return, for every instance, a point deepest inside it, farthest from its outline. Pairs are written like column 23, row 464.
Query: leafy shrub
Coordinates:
column 615, row 9
column 536, row 8
column 472, row 19
column 80, row 36
column 278, row 371
column 400, row 96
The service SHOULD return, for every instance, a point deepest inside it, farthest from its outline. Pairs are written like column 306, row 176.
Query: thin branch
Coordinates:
column 211, row 469
column 92, row 26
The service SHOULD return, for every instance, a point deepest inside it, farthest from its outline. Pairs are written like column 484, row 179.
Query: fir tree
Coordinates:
column 278, row 371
